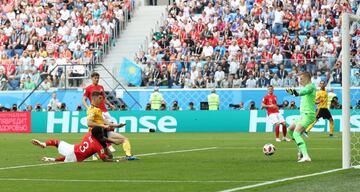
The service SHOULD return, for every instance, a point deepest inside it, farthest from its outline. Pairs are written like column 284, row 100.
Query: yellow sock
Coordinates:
column 310, row 126
column 332, row 127
column 127, row 147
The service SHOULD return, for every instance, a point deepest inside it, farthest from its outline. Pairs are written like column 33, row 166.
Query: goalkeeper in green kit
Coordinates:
column 307, row 114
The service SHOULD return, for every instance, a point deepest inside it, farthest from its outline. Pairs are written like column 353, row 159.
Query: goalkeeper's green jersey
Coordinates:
column 307, row 101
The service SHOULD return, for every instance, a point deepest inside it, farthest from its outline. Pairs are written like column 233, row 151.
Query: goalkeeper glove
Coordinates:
column 292, row 92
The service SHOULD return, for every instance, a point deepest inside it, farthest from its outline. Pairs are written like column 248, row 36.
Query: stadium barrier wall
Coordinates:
column 178, row 121
column 73, row 98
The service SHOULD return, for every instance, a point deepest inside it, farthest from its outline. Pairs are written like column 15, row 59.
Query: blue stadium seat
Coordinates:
column 323, row 77
column 274, row 70
column 288, row 70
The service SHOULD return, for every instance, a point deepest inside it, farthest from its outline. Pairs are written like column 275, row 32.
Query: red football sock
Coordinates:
column 284, row 129
column 60, row 158
column 277, row 127
column 52, row 142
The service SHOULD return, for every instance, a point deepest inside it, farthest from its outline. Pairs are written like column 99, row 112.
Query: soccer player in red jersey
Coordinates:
column 87, row 95
column 96, row 87
column 92, row 142
column 274, row 117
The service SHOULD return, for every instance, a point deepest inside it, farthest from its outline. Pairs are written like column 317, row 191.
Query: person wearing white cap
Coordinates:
column 155, row 99
column 213, row 100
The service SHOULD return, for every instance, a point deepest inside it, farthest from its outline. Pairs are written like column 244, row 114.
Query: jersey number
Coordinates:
column 84, row 147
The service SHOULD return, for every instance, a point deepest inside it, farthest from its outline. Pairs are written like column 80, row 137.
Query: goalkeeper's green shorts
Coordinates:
column 305, row 119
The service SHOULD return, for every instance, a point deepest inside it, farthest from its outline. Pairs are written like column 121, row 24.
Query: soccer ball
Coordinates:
column 269, row 149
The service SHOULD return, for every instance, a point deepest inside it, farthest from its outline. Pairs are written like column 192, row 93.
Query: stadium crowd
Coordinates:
column 253, row 43
column 38, row 35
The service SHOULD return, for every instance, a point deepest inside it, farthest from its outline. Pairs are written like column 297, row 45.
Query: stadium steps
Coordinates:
column 129, row 43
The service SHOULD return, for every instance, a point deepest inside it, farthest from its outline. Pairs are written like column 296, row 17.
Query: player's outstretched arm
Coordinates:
column 108, row 157
column 112, row 107
column 84, row 102
column 117, row 125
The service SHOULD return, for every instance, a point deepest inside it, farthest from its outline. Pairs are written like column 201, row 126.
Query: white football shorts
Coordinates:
column 275, row 118
column 67, row 150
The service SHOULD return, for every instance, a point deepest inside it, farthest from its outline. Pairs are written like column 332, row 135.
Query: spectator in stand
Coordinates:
column 219, row 76
column 262, row 81
column 277, row 58
column 285, row 104
column 278, row 20
column 163, row 106
column 47, row 83
column 282, row 73
column 290, row 80
column 276, row 81
column 54, row 103
column 29, row 108
column 252, row 106
column 191, row 106
column 311, row 59
column 316, row 79
column 357, row 105
column 175, row 106
column 28, row 84
column 355, row 81
column 251, row 82
column 3, row 80
column 335, row 103
column 293, row 105
column 14, row 83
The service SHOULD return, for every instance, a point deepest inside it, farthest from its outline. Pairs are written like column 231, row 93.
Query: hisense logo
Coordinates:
column 70, row 122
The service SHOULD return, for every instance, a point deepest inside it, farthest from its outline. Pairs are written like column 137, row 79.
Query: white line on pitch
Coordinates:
column 280, row 180
column 26, row 166
column 290, row 148
column 122, row 181
column 140, row 155
column 171, row 152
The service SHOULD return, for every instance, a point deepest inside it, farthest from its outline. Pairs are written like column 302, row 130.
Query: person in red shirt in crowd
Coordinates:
column 274, row 117
column 274, row 40
column 199, row 26
column 299, row 59
column 266, row 57
column 213, row 41
column 92, row 142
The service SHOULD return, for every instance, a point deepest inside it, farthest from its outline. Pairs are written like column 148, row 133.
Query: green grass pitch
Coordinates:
column 178, row 162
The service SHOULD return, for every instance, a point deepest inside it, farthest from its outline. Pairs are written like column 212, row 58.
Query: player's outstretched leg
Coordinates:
column 118, row 139
column 127, row 149
column 48, row 159
column 52, row 159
